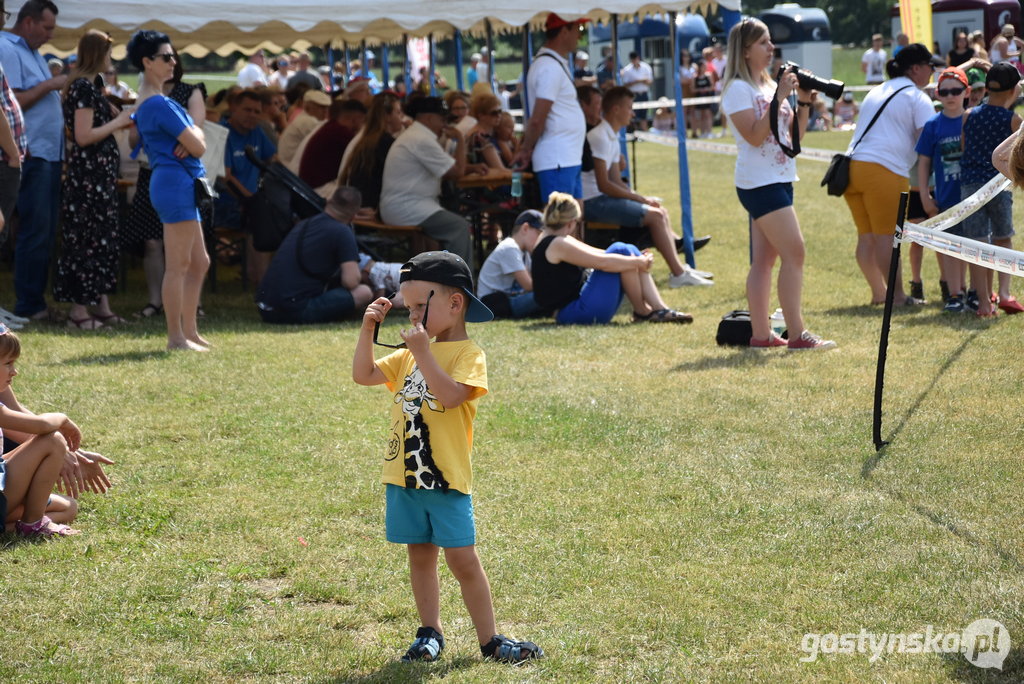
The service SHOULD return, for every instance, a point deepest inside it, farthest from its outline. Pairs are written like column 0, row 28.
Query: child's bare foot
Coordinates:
column 200, row 340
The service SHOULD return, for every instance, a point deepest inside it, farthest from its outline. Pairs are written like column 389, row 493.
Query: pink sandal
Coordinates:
column 44, row 527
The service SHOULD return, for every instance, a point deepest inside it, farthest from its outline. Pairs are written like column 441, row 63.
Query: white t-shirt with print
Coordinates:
column 561, row 143
column 875, row 61
column 767, row 163
column 604, row 145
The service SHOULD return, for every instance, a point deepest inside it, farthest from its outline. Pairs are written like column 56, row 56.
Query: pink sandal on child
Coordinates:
column 44, row 527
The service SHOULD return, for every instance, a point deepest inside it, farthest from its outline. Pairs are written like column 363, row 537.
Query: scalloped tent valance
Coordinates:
column 198, row 27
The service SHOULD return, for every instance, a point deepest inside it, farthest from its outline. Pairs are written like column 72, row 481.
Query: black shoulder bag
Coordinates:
column 837, row 178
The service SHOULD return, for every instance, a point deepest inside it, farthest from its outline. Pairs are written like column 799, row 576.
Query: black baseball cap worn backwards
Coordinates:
column 448, row 269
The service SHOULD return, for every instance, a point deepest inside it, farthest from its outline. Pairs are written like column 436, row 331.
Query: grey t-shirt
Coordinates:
column 496, row 274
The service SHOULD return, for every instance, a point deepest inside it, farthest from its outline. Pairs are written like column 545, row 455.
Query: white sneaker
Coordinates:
column 703, row 274
column 10, row 317
column 687, row 277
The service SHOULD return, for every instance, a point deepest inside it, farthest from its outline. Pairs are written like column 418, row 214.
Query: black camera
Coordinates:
column 808, row 81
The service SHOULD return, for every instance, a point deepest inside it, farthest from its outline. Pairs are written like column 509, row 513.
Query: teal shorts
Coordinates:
column 429, row 516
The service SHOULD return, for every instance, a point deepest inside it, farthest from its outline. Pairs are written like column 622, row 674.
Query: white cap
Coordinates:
column 582, row 56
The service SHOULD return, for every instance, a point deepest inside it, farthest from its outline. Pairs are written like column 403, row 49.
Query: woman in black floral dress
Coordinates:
column 87, row 268
column 143, row 231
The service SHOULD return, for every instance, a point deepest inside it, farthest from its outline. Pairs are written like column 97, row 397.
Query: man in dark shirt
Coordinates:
column 322, row 157
column 314, row 276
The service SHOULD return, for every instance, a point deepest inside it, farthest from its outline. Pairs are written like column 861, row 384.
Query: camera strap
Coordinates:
column 773, row 120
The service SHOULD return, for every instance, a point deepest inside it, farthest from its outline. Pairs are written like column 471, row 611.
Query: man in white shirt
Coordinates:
column 254, row 73
column 872, row 63
column 413, row 170
column 608, row 199
column 554, row 134
column 638, row 77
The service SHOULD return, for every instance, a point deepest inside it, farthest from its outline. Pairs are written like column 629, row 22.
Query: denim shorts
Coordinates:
column 766, row 199
column 617, row 210
column 429, row 516
column 994, row 221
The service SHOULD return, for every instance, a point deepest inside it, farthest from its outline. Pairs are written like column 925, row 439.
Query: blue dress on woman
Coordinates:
column 160, row 120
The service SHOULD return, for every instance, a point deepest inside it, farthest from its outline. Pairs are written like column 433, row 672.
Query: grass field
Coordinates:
column 650, row 506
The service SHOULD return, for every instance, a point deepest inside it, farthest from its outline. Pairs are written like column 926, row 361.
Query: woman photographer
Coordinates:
column 764, row 181
column 882, row 160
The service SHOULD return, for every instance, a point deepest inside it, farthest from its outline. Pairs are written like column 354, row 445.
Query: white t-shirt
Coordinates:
column 251, row 75
column 561, row 143
column 279, row 80
column 766, row 163
column 875, row 59
column 412, row 177
column 892, row 139
column 604, row 145
column 719, row 66
column 496, row 275
column 632, row 73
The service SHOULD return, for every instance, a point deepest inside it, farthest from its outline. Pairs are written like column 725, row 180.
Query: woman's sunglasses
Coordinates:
column 166, row 56
column 401, row 345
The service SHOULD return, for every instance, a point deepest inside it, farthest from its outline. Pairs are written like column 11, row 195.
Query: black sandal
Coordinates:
column 149, row 311
column 427, row 647
column 505, row 650
column 663, row 316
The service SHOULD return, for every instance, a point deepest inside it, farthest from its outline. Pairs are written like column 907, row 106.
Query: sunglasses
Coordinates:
column 495, row 112
column 401, row 345
column 946, row 92
column 168, row 57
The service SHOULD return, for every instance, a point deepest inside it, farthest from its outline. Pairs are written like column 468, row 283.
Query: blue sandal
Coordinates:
column 427, row 647
column 505, row 650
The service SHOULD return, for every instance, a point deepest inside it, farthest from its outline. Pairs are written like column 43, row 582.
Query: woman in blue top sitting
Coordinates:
column 173, row 145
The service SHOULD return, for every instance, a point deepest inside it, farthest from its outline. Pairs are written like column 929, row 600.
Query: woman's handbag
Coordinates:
column 204, row 193
column 837, row 178
column 734, row 330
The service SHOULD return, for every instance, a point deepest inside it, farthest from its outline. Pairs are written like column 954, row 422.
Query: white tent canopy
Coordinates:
column 201, row 26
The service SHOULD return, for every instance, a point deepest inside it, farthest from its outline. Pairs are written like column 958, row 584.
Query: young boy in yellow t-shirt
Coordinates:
column 427, row 468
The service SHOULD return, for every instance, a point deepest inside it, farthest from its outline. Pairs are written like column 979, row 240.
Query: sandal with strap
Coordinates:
column 663, row 316
column 44, row 527
column 505, row 650
column 149, row 311
column 87, row 323
column 427, row 647
column 109, row 319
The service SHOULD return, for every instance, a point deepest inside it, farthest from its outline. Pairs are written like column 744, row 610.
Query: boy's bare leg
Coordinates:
column 476, row 590
column 425, row 587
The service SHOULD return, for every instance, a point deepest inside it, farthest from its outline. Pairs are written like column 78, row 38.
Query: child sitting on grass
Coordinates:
column 29, row 472
column 427, row 470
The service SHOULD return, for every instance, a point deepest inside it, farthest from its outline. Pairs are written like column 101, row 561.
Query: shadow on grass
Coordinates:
column 1013, row 668
column 9, row 540
column 741, row 357
column 111, row 359
column 872, row 461
column 397, row 671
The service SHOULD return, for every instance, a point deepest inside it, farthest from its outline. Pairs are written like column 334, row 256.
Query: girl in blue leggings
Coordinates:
column 561, row 283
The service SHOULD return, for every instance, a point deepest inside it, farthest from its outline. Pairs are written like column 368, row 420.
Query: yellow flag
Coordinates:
column 916, row 20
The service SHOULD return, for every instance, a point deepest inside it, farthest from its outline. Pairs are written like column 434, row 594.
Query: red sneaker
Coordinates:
column 773, row 341
column 809, row 340
column 1010, row 305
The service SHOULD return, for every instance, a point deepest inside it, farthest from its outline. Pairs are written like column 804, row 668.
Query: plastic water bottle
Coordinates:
column 778, row 322
column 517, row 184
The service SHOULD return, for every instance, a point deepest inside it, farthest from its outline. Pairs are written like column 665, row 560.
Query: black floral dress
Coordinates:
column 88, row 264
column 143, row 223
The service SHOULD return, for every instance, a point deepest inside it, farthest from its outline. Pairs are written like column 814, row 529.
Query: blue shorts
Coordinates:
column 617, row 210
column 601, row 294
column 429, row 516
column 994, row 221
column 567, row 179
column 173, row 195
column 764, row 200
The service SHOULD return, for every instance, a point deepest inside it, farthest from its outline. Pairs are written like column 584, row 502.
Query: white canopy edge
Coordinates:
column 198, row 27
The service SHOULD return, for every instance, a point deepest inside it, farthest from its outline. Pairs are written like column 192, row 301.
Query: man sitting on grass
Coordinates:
column 606, row 198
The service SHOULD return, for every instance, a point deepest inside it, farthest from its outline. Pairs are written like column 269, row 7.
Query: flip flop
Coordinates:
column 110, row 319
column 87, row 323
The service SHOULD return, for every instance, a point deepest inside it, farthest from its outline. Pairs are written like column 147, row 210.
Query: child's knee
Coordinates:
column 463, row 563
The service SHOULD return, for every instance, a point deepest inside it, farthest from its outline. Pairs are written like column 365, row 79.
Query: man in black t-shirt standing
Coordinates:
column 314, row 276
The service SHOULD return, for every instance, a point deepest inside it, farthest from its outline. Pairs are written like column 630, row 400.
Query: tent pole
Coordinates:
column 430, row 67
column 385, row 72
column 684, row 166
column 459, row 74
column 527, row 55
column 490, row 54
column 406, row 76
column 329, row 52
column 348, row 66
column 365, row 70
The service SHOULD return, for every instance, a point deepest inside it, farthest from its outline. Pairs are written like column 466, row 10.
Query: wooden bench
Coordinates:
column 417, row 240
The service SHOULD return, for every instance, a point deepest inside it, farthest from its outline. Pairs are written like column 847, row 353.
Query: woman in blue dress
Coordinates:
column 173, row 145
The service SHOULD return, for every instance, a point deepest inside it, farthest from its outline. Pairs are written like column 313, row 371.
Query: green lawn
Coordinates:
column 650, row 506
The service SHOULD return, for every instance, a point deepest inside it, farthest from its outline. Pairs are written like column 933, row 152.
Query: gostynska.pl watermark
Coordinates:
column 984, row 643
